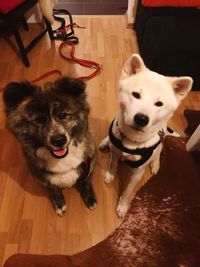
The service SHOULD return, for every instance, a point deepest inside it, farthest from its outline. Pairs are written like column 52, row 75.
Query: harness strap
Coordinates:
column 62, row 32
column 145, row 153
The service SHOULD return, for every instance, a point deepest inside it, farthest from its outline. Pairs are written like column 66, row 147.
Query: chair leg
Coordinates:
column 25, row 24
column 21, row 48
column 49, row 28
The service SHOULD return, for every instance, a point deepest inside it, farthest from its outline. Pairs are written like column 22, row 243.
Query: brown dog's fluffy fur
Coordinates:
column 51, row 123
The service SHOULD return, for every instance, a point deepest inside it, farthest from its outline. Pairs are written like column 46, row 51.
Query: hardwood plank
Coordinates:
column 10, row 249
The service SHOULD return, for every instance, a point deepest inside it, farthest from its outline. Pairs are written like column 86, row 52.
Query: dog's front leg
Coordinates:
column 104, row 145
column 111, row 172
column 85, row 188
column 155, row 163
column 127, row 194
column 58, row 199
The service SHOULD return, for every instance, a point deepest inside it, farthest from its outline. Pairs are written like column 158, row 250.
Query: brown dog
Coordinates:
column 51, row 123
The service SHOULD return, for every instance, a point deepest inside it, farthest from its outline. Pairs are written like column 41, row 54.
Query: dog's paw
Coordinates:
column 109, row 177
column 122, row 209
column 93, row 206
column 104, row 145
column 60, row 206
column 154, row 166
column 61, row 211
column 90, row 201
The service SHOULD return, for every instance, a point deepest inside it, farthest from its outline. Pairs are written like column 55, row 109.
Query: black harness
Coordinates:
column 61, row 33
column 145, row 153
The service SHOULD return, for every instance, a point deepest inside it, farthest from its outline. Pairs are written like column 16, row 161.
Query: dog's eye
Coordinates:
column 62, row 115
column 159, row 104
column 136, row 95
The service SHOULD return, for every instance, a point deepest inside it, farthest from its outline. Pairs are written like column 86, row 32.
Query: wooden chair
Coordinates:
column 12, row 19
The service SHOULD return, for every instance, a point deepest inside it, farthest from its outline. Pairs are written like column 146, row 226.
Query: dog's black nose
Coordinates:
column 58, row 140
column 141, row 119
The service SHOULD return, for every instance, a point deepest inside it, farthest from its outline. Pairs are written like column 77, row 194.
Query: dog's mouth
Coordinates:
column 137, row 128
column 59, row 154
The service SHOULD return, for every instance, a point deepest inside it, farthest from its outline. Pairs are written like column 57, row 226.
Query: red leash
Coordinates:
column 43, row 76
column 46, row 74
column 83, row 62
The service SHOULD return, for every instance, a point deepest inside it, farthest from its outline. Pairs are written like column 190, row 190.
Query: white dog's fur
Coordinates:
column 156, row 97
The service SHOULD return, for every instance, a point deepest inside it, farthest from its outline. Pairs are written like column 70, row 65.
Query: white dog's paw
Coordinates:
column 61, row 211
column 154, row 166
column 122, row 209
column 109, row 177
column 104, row 145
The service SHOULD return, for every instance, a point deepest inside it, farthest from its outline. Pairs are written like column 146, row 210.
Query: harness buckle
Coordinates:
column 161, row 133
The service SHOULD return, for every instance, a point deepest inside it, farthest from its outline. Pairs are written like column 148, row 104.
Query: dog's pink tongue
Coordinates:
column 60, row 153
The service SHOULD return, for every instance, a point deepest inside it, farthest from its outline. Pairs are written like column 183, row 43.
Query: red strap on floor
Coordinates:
column 83, row 62
column 46, row 74
column 43, row 76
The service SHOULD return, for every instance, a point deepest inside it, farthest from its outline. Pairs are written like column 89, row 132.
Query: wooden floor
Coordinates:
column 28, row 223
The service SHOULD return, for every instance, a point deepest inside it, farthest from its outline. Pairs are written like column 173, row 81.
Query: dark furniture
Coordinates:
column 169, row 40
column 11, row 21
column 94, row 7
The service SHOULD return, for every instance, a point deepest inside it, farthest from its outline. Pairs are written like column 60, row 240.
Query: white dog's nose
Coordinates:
column 141, row 120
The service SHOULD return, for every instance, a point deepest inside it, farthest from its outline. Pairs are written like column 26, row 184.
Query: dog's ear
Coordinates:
column 14, row 93
column 70, row 86
column 133, row 65
column 181, row 86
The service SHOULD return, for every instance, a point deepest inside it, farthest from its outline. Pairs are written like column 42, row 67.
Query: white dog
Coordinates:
column 147, row 100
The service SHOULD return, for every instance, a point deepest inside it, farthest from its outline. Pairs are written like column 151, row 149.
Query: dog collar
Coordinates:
column 144, row 152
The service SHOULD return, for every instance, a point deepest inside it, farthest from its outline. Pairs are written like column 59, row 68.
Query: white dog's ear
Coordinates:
column 181, row 86
column 133, row 65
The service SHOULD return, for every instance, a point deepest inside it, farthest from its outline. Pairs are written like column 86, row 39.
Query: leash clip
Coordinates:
column 161, row 133
column 93, row 67
column 100, row 66
column 80, row 27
